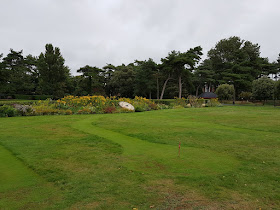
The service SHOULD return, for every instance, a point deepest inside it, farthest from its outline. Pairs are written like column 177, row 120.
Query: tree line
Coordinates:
column 231, row 61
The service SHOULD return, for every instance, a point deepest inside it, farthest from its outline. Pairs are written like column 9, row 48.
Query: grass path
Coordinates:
column 13, row 173
column 163, row 159
column 20, row 187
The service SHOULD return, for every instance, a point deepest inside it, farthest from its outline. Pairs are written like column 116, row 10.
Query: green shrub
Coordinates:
column 263, row 88
column 245, row 96
column 7, row 111
column 141, row 107
column 213, row 102
column 86, row 110
column 163, row 106
column 195, row 102
column 46, row 108
column 123, row 110
column 179, row 102
column 225, row 92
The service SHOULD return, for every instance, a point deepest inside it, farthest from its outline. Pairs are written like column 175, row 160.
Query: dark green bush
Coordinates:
column 7, row 111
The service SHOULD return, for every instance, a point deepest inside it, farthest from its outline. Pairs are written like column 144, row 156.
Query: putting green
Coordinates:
column 162, row 159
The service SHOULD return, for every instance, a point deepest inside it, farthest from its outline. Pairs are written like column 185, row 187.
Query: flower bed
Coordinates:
column 96, row 105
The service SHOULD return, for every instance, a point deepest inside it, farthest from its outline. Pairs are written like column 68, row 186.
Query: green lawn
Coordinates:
column 230, row 158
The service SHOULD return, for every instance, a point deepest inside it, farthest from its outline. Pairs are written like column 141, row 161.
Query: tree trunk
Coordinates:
column 150, row 95
column 164, row 86
column 180, row 86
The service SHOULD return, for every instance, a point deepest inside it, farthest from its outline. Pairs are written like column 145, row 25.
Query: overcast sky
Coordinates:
column 96, row 32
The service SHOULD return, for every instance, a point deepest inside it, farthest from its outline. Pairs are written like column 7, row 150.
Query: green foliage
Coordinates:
column 225, row 92
column 141, row 107
column 123, row 81
column 237, row 62
column 213, row 102
column 195, row 102
column 95, row 80
column 7, row 111
column 179, row 102
column 263, row 88
column 16, row 77
column 179, row 65
column 277, row 89
column 204, row 74
column 245, row 95
column 145, row 78
column 53, row 72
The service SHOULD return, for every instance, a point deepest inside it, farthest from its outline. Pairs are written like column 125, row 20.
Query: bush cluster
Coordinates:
column 7, row 111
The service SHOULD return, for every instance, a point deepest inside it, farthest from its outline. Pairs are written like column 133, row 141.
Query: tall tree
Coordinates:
column 123, row 80
column 166, row 73
column 3, row 76
column 237, row 62
column 95, row 79
column 32, row 71
column 108, row 72
column 145, row 78
column 53, row 73
column 276, row 70
column 16, row 73
column 203, row 75
column 180, row 65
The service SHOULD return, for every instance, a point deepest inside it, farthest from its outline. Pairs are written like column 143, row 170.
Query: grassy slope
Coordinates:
column 229, row 158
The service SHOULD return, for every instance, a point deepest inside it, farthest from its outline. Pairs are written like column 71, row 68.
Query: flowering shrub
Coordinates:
column 195, row 102
column 142, row 104
column 24, row 110
column 85, row 110
column 68, row 112
column 213, row 102
column 46, row 110
column 109, row 109
column 179, row 102
column 163, row 106
column 82, row 101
